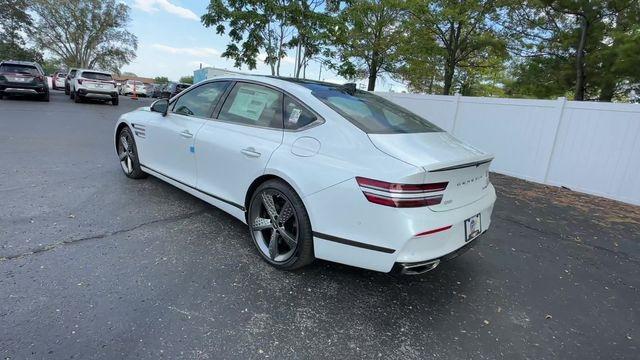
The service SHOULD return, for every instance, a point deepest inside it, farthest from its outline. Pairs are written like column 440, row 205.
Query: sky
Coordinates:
column 172, row 42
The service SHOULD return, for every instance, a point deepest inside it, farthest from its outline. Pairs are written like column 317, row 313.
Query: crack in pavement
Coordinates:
column 569, row 239
column 55, row 245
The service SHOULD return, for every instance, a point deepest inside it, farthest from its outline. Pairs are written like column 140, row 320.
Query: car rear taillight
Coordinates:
column 40, row 78
column 401, row 195
column 80, row 81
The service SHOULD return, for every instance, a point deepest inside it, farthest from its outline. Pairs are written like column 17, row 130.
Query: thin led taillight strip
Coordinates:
column 430, row 232
column 401, row 195
column 403, row 202
column 400, row 188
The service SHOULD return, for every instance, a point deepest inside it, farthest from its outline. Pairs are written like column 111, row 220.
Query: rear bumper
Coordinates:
column 350, row 230
column 416, row 268
column 97, row 94
column 23, row 89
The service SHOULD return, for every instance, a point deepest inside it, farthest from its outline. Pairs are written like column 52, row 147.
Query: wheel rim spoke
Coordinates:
column 270, row 206
column 290, row 240
column 125, row 143
column 273, row 245
column 261, row 224
column 129, row 164
column 123, row 155
column 285, row 213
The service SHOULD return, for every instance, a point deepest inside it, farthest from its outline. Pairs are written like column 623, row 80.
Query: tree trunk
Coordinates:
column 298, row 61
column 448, row 78
column 373, row 72
column 580, row 61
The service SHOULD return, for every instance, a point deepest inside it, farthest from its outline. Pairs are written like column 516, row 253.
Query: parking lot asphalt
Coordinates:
column 97, row 266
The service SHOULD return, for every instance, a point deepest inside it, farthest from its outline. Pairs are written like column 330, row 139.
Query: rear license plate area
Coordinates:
column 472, row 228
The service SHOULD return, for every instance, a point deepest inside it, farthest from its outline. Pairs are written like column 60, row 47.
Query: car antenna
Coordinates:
column 349, row 88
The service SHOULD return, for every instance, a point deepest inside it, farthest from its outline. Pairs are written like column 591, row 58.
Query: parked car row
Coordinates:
column 28, row 78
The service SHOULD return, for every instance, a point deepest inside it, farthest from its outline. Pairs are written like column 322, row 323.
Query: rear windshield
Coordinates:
column 374, row 114
column 20, row 69
column 96, row 76
column 61, row 75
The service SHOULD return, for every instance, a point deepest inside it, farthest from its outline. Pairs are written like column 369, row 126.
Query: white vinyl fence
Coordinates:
column 585, row 146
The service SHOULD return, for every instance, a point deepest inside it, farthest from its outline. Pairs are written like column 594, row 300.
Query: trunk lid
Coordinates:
column 443, row 158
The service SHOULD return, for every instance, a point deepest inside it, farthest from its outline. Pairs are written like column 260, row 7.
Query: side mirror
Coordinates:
column 160, row 106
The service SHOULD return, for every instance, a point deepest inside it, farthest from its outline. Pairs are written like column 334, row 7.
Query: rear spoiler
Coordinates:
column 448, row 167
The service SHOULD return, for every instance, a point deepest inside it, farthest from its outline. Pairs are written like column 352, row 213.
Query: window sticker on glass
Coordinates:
column 250, row 103
column 295, row 115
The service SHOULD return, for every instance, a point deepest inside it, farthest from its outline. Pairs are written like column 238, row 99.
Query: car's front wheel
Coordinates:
column 128, row 155
column 280, row 226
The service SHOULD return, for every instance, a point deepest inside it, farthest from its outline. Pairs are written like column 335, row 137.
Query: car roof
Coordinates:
column 285, row 83
column 17, row 62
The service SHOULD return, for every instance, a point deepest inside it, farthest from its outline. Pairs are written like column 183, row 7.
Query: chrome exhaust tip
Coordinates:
column 418, row 268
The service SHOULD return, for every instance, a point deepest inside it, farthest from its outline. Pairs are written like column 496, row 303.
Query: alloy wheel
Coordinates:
column 274, row 225
column 125, row 152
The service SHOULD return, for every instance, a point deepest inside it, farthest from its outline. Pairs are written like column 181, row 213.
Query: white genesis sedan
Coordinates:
column 316, row 170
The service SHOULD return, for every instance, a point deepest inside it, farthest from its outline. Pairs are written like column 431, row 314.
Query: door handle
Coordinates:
column 250, row 152
column 186, row 134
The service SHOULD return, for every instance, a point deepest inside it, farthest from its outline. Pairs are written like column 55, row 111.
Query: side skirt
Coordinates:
column 229, row 207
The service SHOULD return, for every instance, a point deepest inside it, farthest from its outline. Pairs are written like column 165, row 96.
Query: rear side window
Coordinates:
column 200, row 101
column 374, row 114
column 296, row 115
column 252, row 104
column 96, row 76
column 72, row 73
column 19, row 69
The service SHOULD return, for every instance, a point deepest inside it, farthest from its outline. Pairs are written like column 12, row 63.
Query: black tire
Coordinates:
column 114, row 101
column 303, row 253
column 77, row 98
column 67, row 91
column 45, row 97
column 136, row 172
column 72, row 95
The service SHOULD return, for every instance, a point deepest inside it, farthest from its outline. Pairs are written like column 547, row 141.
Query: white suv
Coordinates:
column 93, row 84
column 134, row 86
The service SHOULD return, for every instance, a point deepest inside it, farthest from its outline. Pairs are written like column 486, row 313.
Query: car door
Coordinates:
column 169, row 147
column 234, row 148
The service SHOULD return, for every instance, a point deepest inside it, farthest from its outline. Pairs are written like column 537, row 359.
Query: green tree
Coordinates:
column 270, row 27
column 366, row 38
column 454, row 37
column 311, row 20
column 161, row 80
column 186, row 79
column 253, row 27
column 14, row 20
column 84, row 33
column 581, row 47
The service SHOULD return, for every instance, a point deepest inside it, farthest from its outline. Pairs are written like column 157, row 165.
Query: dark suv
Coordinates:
column 23, row 78
column 172, row 89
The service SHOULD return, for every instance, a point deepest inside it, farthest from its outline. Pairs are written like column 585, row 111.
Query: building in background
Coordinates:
column 210, row 73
